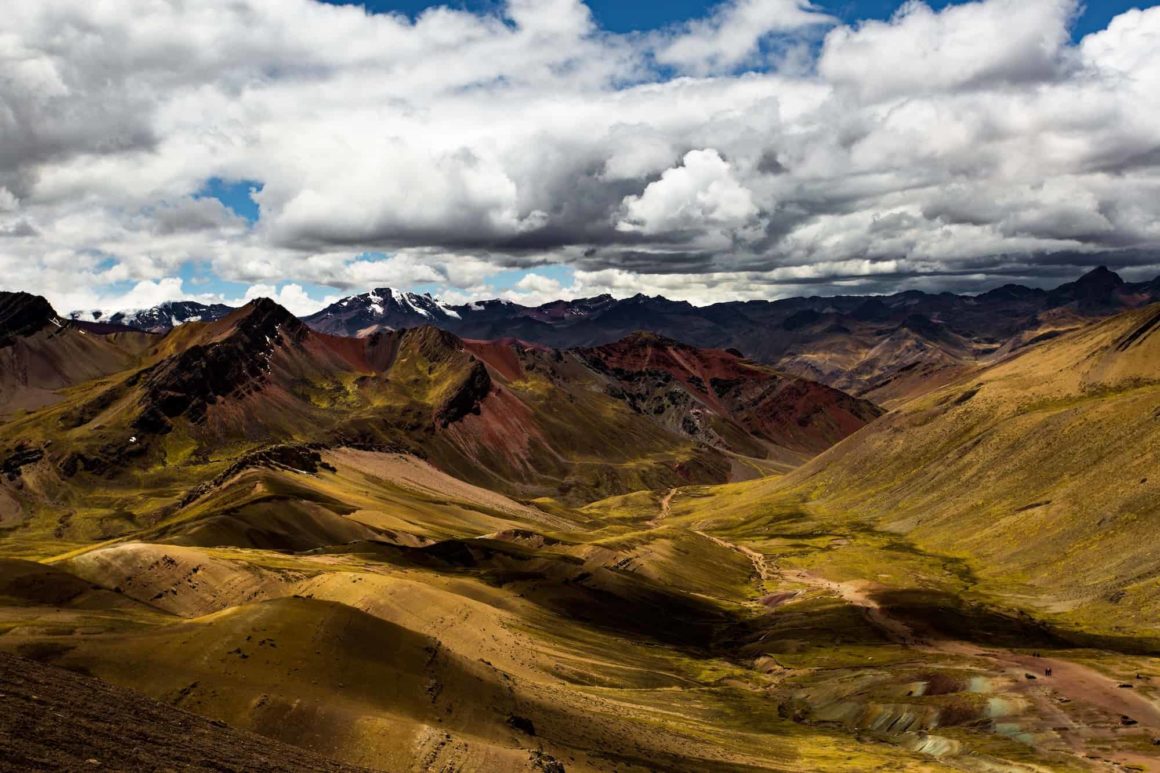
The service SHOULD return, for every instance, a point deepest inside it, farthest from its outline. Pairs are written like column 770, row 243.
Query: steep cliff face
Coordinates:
column 465, row 397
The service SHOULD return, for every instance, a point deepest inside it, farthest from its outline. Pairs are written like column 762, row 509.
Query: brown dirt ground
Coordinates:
column 53, row 719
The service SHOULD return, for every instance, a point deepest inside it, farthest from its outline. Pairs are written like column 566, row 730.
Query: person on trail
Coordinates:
column 1047, row 672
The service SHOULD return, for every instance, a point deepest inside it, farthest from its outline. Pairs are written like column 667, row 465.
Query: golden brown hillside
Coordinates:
column 1042, row 473
column 895, row 604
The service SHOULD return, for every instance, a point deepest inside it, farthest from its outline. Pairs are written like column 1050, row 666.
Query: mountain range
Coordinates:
column 884, row 348
column 596, row 535
column 654, row 411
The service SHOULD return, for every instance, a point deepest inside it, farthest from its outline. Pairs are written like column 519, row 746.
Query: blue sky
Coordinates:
column 622, row 16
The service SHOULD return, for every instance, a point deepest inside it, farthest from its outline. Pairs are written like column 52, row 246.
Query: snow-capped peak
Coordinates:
column 158, row 319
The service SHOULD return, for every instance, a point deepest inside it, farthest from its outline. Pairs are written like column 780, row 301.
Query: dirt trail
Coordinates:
column 1085, row 686
column 857, row 594
column 1079, row 682
column 760, row 566
column 666, row 508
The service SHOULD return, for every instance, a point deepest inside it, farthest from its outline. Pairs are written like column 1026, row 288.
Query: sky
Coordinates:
column 155, row 150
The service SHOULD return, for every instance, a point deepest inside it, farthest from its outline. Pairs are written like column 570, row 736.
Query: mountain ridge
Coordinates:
column 521, row 419
column 882, row 347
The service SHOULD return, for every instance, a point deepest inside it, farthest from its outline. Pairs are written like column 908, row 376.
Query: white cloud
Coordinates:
column 702, row 191
column 1128, row 45
column 972, row 45
column 733, row 34
column 464, row 144
column 538, row 283
column 291, row 296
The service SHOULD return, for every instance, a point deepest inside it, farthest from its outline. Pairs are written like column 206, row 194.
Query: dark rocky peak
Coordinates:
column 1094, row 291
column 263, row 323
column 1009, row 293
column 232, row 363
column 1101, row 276
column 655, row 302
column 22, row 314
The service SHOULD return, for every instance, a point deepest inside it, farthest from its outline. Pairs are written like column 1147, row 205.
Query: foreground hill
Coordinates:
column 52, row 719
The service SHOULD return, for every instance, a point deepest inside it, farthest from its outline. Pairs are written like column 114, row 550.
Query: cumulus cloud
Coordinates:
column 701, row 192
column 739, row 155
column 974, row 45
column 291, row 296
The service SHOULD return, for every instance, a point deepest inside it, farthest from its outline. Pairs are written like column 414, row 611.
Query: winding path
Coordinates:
column 666, row 508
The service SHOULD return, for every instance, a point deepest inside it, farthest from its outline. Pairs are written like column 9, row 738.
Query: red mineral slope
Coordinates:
column 717, row 393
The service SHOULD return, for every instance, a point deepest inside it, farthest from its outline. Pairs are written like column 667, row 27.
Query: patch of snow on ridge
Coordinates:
column 407, row 299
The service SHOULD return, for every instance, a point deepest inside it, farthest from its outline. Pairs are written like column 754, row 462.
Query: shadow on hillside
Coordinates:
column 608, row 599
column 940, row 614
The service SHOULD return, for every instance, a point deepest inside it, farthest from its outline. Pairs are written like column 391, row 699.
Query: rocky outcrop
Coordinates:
column 465, row 397
column 12, row 462
column 295, row 458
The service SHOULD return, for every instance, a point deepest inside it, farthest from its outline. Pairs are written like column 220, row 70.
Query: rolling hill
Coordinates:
column 411, row 550
column 171, row 418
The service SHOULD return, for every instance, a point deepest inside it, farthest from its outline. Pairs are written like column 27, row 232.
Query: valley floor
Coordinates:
column 642, row 632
